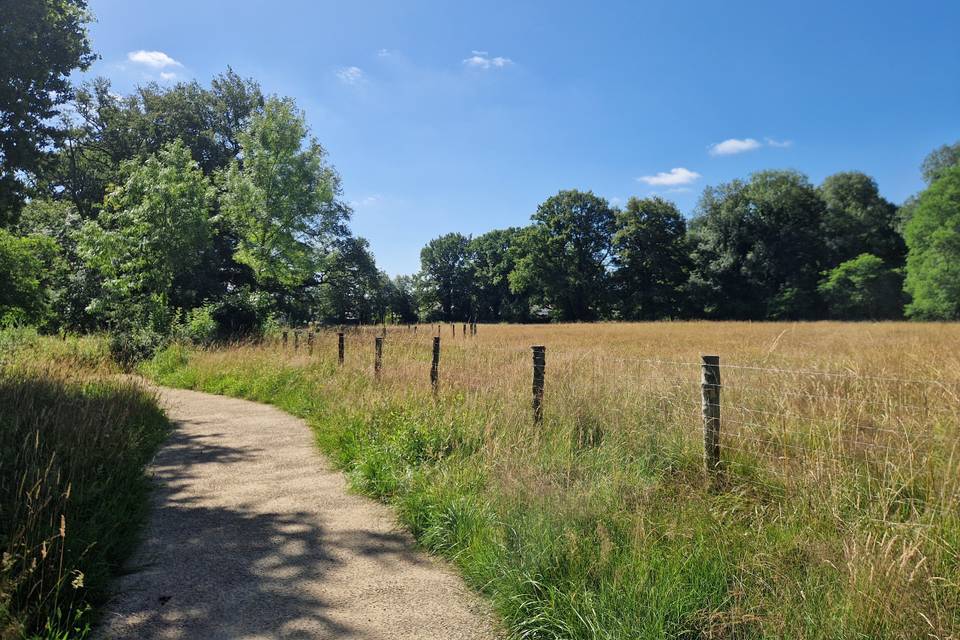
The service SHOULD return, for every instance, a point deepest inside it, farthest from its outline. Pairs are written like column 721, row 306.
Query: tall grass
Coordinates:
column 74, row 440
column 836, row 515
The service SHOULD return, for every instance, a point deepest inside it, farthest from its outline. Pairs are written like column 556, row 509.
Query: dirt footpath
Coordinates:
column 252, row 534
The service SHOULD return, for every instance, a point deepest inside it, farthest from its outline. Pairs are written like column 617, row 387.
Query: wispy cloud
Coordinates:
column 152, row 59
column 351, row 75
column 366, row 201
column 168, row 76
column 482, row 60
column 384, row 53
column 733, row 146
column 674, row 177
column 779, row 144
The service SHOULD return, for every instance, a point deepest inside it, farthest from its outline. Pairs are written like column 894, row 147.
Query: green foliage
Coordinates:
column 73, row 446
column 858, row 220
column 352, row 285
column 652, row 258
column 198, row 326
column 939, row 160
column 41, row 43
column 446, row 276
column 864, row 288
column 493, row 260
column 281, row 201
column 933, row 238
column 25, row 266
column 563, row 258
column 757, row 247
column 151, row 233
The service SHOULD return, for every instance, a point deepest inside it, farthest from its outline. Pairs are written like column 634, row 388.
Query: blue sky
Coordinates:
column 455, row 116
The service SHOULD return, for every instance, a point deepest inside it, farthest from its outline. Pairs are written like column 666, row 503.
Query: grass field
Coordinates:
column 73, row 444
column 835, row 515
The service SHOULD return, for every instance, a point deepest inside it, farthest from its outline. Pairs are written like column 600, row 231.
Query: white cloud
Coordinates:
column 672, row 178
column 482, row 60
column 779, row 144
column 384, row 53
column 366, row 201
column 168, row 75
column 153, row 59
column 734, row 145
column 351, row 75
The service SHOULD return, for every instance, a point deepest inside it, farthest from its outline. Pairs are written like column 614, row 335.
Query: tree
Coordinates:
column 933, row 241
column 652, row 259
column 41, row 43
column 281, row 198
column 350, row 284
column 939, row 160
column 446, row 275
column 151, row 235
column 493, row 260
column 25, row 263
column 858, row 220
column 563, row 259
column 865, row 288
column 403, row 300
column 757, row 247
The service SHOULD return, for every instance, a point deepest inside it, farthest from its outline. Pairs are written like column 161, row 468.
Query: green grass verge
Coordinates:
column 74, row 441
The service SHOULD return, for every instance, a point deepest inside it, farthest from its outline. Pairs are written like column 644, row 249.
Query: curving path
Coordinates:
column 252, row 534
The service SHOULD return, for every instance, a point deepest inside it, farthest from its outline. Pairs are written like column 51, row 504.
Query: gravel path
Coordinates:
column 252, row 534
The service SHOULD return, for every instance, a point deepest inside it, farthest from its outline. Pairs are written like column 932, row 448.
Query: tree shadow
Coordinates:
column 211, row 571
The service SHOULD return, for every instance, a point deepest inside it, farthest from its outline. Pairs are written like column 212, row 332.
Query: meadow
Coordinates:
column 74, row 441
column 834, row 513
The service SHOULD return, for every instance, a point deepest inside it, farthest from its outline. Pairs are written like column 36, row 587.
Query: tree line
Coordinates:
column 772, row 247
column 212, row 212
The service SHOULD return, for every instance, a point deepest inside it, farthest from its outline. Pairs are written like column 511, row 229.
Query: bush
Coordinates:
column 863, row 289
column 198, row 326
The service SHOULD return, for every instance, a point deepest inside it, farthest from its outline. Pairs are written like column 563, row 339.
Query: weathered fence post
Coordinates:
column 435, row 365
column 453, row 330
column 377, row 356
column 284, row 339
column 296, row 341
column 340, row 348
column 464, row 329
column 710, row 390
column 539, row 366
column 310, row 343
column 384, row 333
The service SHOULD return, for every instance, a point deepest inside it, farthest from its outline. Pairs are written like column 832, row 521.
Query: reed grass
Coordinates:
column 74, row 440
column 836, row 515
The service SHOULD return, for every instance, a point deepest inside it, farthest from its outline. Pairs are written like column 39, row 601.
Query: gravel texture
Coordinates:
column 252, row 534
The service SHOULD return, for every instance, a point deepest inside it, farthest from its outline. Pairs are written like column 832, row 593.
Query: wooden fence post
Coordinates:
column 710, row 392
column 377, row 356
column 435, row 365
column 340, row 348
column 310, row 343
column 453, row 330
column 464, row 329
column 539, row 366
column 296, row 341
column 284, row 339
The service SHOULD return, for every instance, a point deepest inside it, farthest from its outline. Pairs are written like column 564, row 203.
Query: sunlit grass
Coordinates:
column 73, row 443
column 836, row 515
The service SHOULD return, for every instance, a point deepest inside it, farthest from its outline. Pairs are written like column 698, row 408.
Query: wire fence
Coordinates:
column 790, row 422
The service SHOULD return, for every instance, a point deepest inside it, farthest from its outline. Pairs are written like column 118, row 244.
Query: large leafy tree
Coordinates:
column 652, row 259
column 933, row 239
column 151, row 235
column 939, row 160
column 41, row 43
column 446, row 275
column 349, row 292
column 758, row 251
column 493, row 260
column 281, row 199
column 858, row 220
column 565, row 255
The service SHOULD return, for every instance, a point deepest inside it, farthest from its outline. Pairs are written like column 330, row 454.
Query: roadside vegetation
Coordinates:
column 74, row 440
column 836, row 516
